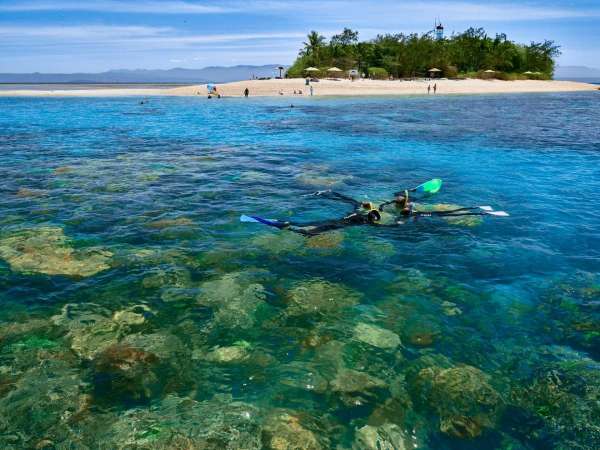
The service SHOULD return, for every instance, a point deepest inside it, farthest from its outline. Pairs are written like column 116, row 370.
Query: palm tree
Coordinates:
column 314, row 45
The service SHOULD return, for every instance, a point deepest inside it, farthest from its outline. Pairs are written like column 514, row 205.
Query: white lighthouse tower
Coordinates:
column 439, row 31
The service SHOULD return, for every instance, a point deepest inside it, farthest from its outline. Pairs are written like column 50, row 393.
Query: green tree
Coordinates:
column 539, row 57
column 408, row 55
column 313, row 47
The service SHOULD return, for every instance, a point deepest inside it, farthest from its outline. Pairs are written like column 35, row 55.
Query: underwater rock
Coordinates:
column 373, row 249
column 178, row 296
column 303, row 376
column 62, row 170
column 177, row 277
column 182, row 423
column 284, row 431
column 169, row 223
column 34, row 343
column 376, row 336
column 355, row 388
column 279, row 243
column 316, row 179
column 253, row 176
column 45, row 403
column 162, row 343
column 461, row 396
column 30, row 193
column 421, row 332
column 411, row 282
column 46, row 250
column 570, row 313
column 234, row 353
column 13, row 330
column 329, row 240
column 450, row 309
column 385, row 437
column 126, row 371
column 320, row 297
column 559, row 404
column 234, row 299
column 348, row 380
column 115, row 187
column 91, row 331
column 128, row 317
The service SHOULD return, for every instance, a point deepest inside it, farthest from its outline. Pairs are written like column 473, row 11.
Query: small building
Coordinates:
column 439, row 31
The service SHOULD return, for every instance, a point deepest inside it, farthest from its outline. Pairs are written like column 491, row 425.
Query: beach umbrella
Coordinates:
column 529, row 72
column 311, row 69
column 433, row 72
column 489, row 71
column 334, row 69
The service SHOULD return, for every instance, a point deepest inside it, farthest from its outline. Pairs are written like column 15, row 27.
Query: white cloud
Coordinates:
column 128, row 37
column 81, row 32
column 342, row 11
column 148, row 7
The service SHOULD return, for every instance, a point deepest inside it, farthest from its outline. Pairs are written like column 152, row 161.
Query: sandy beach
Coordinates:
column 266, row 88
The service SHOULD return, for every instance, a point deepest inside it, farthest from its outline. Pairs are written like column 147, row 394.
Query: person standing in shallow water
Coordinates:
column 312, row 90
column 246, row 92
column 428, row 89
column 435, row 88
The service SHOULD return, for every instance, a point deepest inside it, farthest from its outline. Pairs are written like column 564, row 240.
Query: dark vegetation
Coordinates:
column 467, row 54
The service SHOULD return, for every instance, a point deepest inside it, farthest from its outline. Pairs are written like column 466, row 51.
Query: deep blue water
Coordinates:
column 503, row 309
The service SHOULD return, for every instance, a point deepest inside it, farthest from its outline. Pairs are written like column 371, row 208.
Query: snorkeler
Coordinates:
column 364, row 213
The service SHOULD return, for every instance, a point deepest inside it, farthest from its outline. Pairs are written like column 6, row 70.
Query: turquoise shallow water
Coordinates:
column 137, row 312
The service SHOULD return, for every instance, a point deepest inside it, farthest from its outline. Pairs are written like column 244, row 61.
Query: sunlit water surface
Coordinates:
column 138, row 312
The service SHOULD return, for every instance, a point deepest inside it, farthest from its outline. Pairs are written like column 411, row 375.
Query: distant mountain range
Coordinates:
column 177, row 75
column 214, row 74
column 577, row 73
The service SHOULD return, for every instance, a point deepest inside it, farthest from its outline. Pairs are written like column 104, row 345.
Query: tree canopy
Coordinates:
column 410, row 55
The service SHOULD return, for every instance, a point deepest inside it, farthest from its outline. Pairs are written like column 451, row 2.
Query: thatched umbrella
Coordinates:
column 433, row 72
column 489, row 71
column 334, row 69
column 311, row 69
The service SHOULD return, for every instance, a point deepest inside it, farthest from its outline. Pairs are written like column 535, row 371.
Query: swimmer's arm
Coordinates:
column 331, row 195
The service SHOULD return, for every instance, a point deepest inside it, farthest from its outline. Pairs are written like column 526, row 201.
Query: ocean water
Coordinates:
column 138, row 312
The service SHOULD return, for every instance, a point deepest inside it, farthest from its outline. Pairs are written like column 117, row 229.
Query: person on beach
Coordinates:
column 428, row 89
column 435, row 88
column 312, row 90
column 246, row 92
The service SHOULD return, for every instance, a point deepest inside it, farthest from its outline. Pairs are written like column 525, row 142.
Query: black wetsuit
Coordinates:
column 358, row 216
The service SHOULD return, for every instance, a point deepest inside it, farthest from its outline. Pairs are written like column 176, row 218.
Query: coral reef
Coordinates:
column 461, row 396
column 318, row 296
column 46, row 250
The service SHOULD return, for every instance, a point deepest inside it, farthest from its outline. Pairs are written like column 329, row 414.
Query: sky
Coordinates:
column 55, row 36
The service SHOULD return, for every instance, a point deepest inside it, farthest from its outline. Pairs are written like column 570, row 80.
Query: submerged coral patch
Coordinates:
column 47, row 250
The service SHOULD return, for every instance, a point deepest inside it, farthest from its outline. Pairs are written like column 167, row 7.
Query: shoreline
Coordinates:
column 324, row 88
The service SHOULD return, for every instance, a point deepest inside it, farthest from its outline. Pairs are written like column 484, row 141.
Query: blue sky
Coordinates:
column 97, row 35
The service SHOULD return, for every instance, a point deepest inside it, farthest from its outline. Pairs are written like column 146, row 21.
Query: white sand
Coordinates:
column 328, row 87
